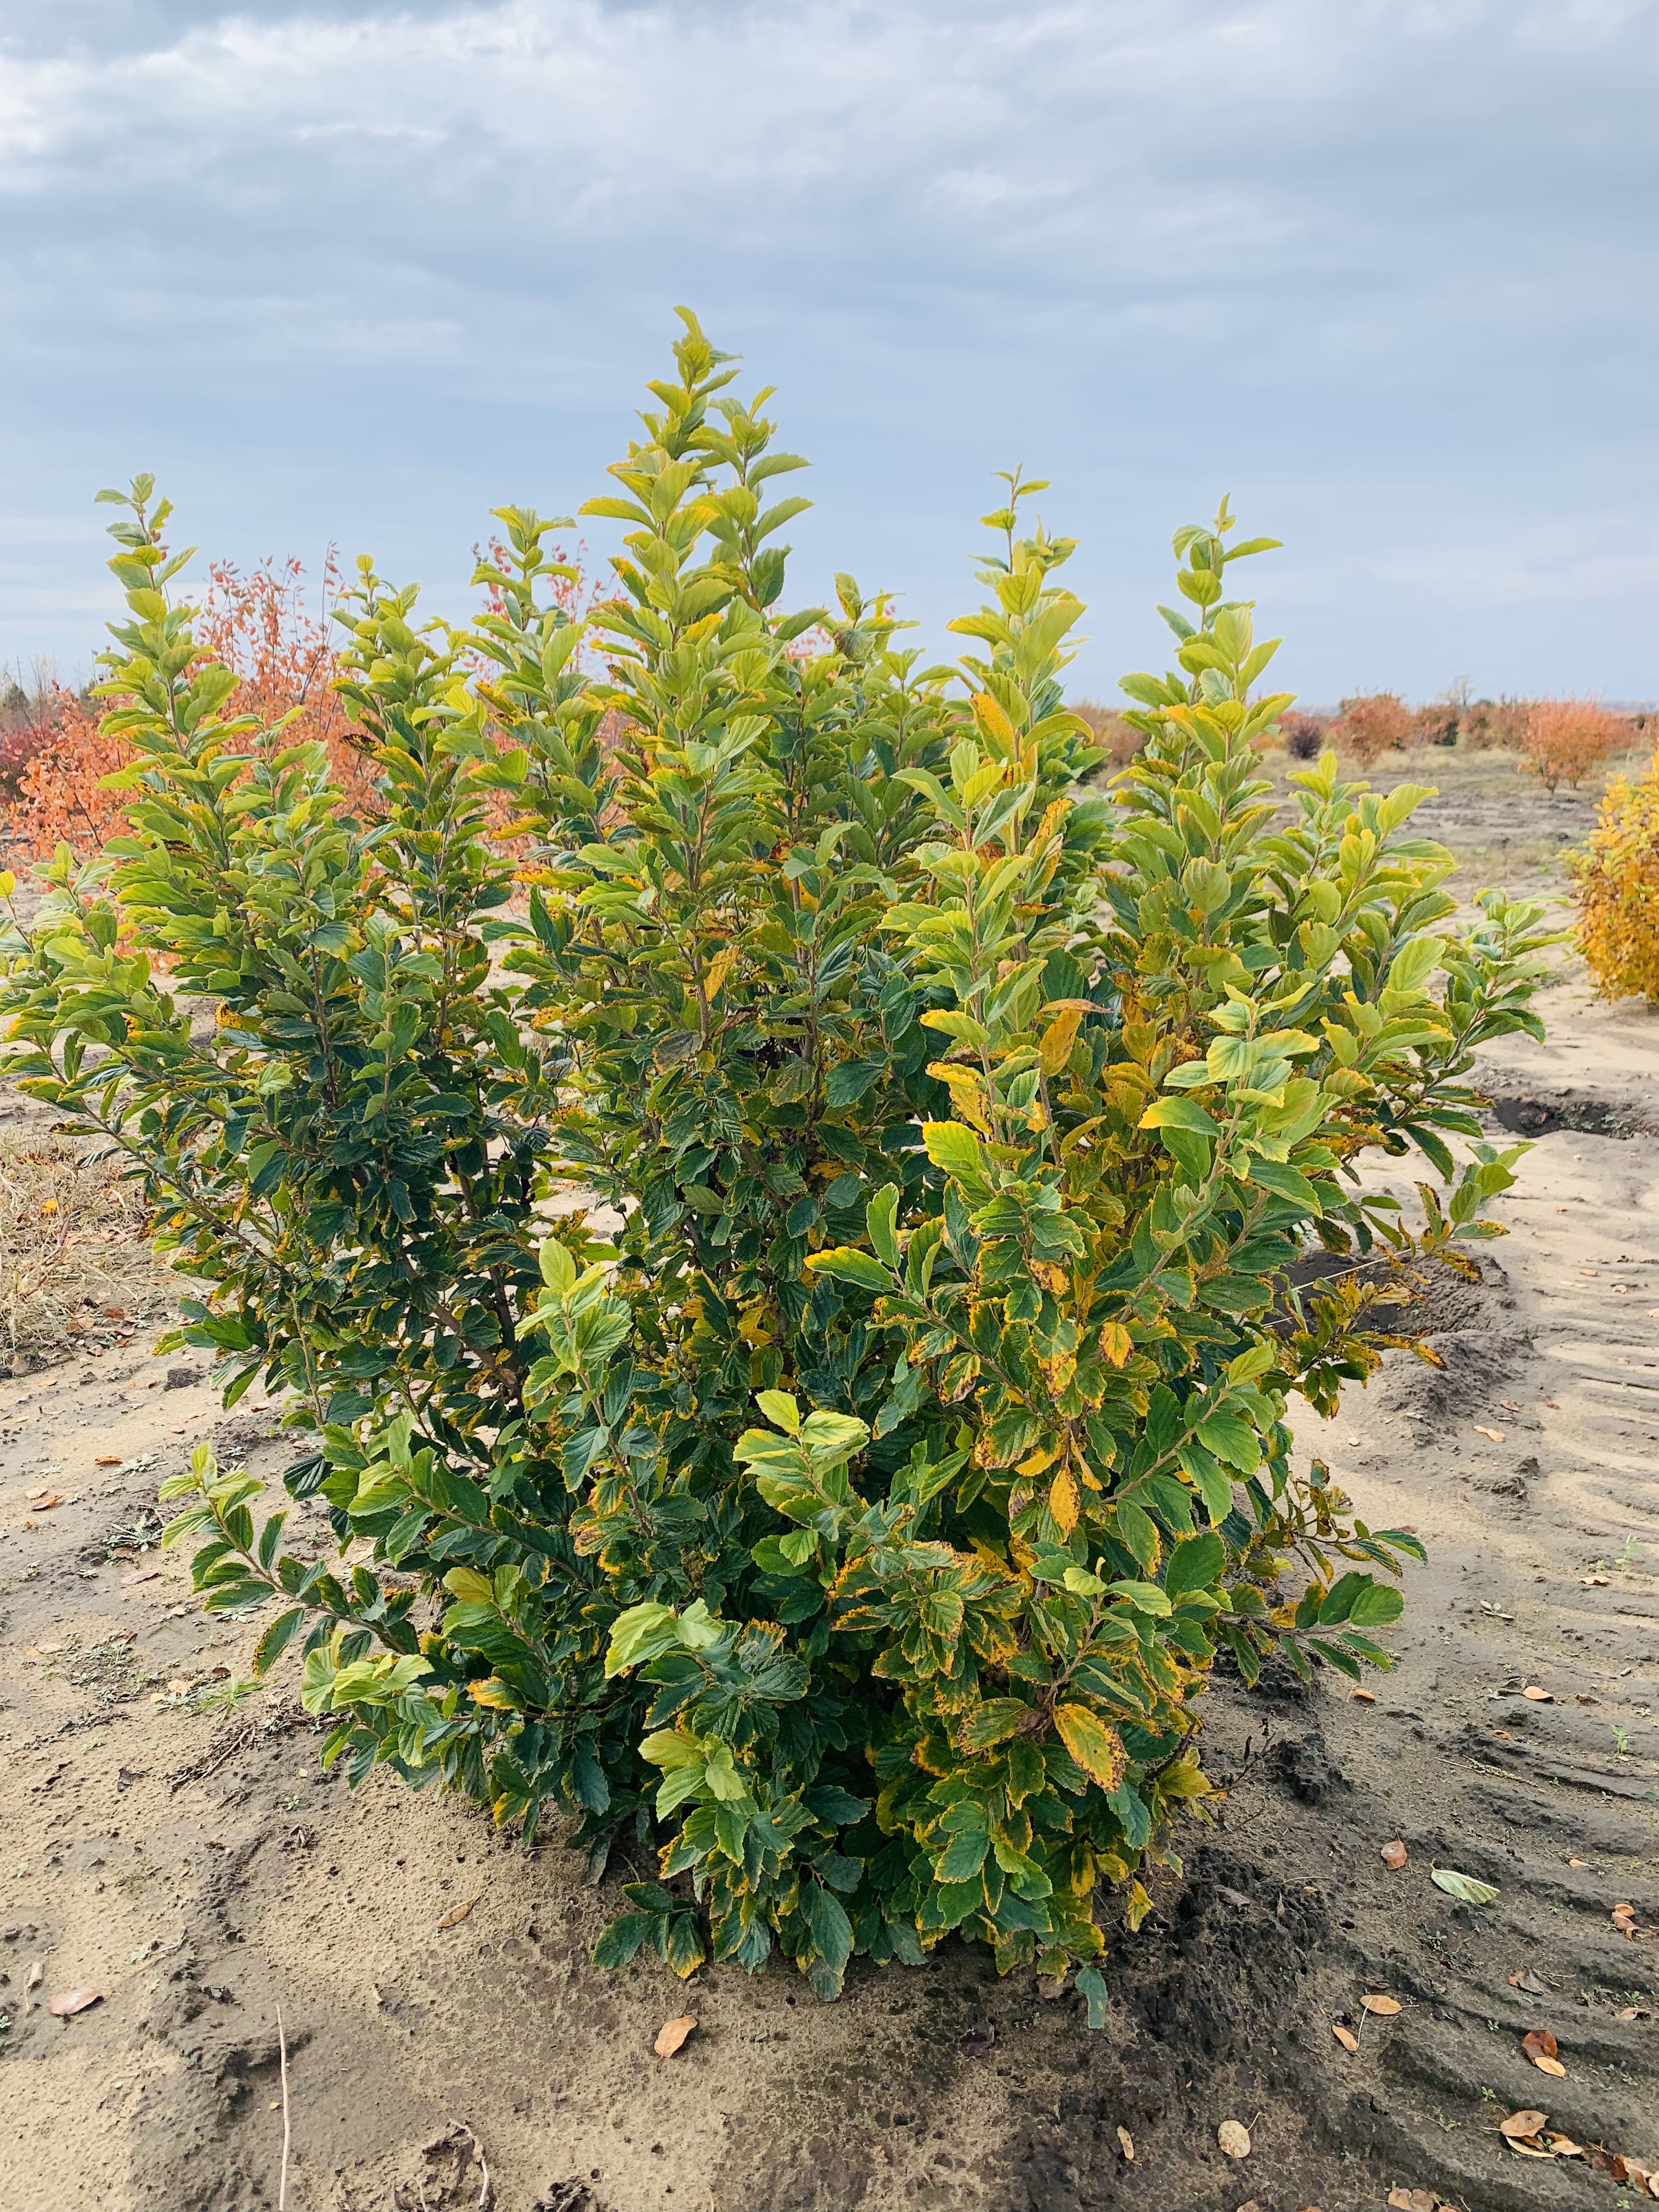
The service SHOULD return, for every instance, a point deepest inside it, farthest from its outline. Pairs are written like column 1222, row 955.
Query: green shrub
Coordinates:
column 862, row 1516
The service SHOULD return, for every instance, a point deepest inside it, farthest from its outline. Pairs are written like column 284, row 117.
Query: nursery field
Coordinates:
column 451, row 2044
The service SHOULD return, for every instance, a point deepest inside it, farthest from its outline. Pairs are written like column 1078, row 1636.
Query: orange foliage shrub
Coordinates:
column 1616, row 889
column 1373, row 726
column 260, row 625
column 1567, row 738
column 1437, row 724
column 52, row 766
column 1501, row 723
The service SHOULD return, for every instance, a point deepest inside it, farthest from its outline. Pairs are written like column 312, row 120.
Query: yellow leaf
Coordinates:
column 719, row 968
column 1115, row 1343
column 1063, row 1502
column 1058, row 1038
column 495, row 1694
column 991, row 718
column 1136, row 1905
column 1037, row 1462
column 1184, row 1779
column 1094, row 1746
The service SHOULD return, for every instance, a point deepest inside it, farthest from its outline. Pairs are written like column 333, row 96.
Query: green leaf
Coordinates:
column 849, row 1264
column 1194, row 1564
column 643, row 1632
column 1092, row 1988
column 623, row 1938
column 781, row 1409
column 832, row 1931
column 879, row 1217
column 955, row 1148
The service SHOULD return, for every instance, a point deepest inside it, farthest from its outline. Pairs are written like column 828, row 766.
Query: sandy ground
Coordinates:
column 199, row 1871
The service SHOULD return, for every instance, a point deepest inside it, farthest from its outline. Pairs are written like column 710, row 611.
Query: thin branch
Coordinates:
column 281, row 2053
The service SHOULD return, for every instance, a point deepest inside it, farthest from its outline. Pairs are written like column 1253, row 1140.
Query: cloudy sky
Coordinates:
column 1383, row 270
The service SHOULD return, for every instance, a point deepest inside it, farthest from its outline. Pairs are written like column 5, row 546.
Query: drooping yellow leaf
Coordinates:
column 1063, row 1503
column 718, row 969
column 1056, row 1049
column 1136, row 1905
column 1093, row 1745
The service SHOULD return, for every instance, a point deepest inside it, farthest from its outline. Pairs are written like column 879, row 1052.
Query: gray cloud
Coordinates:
column 1383, row 270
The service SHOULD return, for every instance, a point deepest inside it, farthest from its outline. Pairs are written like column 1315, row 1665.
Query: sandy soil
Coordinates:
column 198, row 1871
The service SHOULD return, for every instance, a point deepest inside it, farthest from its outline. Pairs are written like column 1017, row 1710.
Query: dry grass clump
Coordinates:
column 74, row 1263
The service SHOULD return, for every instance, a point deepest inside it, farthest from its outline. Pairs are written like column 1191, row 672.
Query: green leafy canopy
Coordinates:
column 777, row 1201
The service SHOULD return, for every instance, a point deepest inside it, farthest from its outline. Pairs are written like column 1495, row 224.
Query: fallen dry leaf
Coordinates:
column 1564, row 2147
column 1394, row 1855
column 1577, row 1863
column 1540, row 2046
column 45, row 1503
column 1539, row 1694
column 1126, row 2144
column 107, row 1459
column 1345, row 2036
column 672, row 2033
column 1385, row 2008
column 1497, row 1434
column 1234, row 2138
column 1594, row 1581
column 1412, row 2200
column 37, row 1974
column 73, row 2001
column 457, row 1913
column 1363, row 1697
column 1623, row 1918
column 1525, row 2122
column 1585, row 1698
column 1524, row 1978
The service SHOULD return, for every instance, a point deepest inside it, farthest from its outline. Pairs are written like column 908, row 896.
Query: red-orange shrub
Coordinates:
column 258, row 625
column 1438, row 723
column 1567, row 739
column 1373, row 726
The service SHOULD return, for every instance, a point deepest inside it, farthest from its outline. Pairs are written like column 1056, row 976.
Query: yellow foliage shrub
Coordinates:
column 1616, row 888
